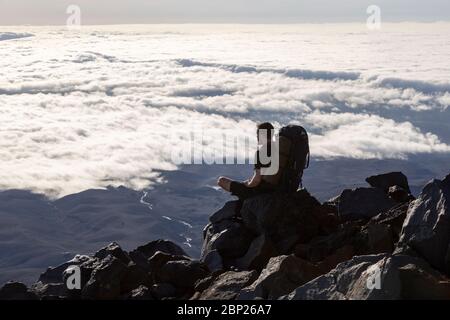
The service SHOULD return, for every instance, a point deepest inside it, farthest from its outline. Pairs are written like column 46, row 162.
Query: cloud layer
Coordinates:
column 100, row 107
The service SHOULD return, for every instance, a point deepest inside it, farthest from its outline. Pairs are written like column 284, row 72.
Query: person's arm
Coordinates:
column 255, row 180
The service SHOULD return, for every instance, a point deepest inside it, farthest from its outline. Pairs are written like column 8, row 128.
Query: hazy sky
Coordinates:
column 15, row 12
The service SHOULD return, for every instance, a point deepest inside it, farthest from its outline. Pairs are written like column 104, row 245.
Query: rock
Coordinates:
column 285, row 219
column 398, row 194
column 363, row 203
column 387, row 180
column 161, row 258
column 50, row 290
column 163, row 290
column 182, row 273
column 258, row 254
column 16, row 291
column 165, row 246
column 378, row 239
column 394, row 218
column 213, row 260
column 140, row 293
column 226, row 213
column 376, row 277
column 141, row 254
column 427, row 226
column 133, row 278
column 281, row 275
column 115, row 250
column 105, row 281
column 55, row 275
column 227, row 285
column 232, row 242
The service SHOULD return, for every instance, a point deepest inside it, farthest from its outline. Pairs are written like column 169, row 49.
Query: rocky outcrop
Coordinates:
column 427, row 226
column 368, row 243
column 376, row 277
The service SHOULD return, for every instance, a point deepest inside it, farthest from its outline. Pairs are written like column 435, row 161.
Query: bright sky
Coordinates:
column 19, row 12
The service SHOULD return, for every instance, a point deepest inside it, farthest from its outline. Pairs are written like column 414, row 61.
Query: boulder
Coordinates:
column 376, row 277
column 16, row 291
column 50, row 290
column 394, row 218
column 55, row 274
column 281, row 275
column 258, row 254
column 398, row 194
column 133, row 278
column 165, row 246
column 427, row 225
column 163, row 291
column 232, row 242
column 115, row 250
column 182, row 273
column 227, row 212
column 105, row 281
column 387, row 180
column 285, row 219
column 213, row 260
column 227, row 285
column 363, row 203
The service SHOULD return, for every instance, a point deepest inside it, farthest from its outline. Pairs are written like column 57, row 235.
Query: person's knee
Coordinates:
column 221, row 181
column 224, row 183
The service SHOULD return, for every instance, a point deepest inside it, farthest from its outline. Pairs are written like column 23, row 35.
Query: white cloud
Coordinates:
column 100, row 107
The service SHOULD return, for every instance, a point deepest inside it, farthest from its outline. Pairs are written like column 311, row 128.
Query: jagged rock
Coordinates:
column 281, row 275
column 141, row 254
column 387, row 180
column 258, row 254
column 286, row 220
column 227, row 212
column 161, row 258
column 393, row 218
column 378, row 239
column 55, row 275
column 227, row 285
column 232, row 242
column 363, row 203
column 115, row 250
column 398, row 194
column 427, row 226
column 105, row 281
column 16, row 291
column 213, row 260
column 163, row 290
column 45, row 291
column 140, row 293
column 379, row 277
column 133, row 278
column 182, row 273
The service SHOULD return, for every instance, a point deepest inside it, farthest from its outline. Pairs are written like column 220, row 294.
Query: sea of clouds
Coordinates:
column 108, row 105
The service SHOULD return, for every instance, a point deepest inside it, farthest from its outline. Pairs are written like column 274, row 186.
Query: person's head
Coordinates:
column 266, row 129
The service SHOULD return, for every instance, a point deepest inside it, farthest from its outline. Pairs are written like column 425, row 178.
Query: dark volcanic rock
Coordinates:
column 115, row 250
column 227, row 285
column 105, row 281
column 16, row 291
column 182, row 273
column 281, row 275
column 378, row 277
column 427, row 225
column 387, row 180
column 363, row 203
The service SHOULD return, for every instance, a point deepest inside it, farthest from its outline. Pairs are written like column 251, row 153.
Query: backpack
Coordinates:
column 298, row 158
